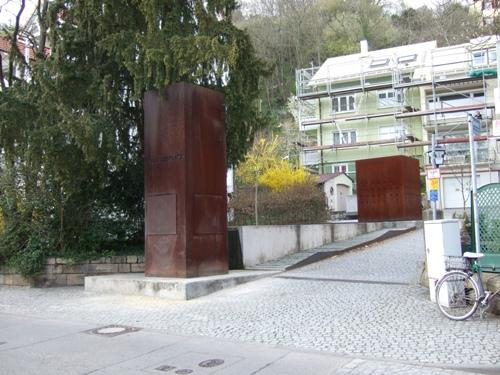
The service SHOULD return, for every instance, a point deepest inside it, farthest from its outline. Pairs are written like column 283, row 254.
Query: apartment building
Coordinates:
column 391, row 101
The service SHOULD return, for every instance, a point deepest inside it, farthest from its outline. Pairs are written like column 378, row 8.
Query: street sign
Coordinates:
column 434, row 183
column 433, row 195
column 433, row 173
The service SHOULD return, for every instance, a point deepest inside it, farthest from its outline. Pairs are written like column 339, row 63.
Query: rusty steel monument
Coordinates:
column 185, row 182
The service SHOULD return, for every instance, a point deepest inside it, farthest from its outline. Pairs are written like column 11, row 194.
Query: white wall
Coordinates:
column 451, row 188
column 260, row 243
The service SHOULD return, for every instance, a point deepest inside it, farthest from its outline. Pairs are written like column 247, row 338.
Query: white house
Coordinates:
column 337, row 187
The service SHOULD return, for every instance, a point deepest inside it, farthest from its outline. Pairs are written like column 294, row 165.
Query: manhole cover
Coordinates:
column 109, row 330
column 165, row 368
column 112, row 330
column 184, row 371
column 211, row 363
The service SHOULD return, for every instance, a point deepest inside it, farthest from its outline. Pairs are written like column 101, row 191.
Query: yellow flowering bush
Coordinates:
column 283, row 175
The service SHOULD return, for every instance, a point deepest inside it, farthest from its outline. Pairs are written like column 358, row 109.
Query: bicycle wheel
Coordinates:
column 457, row 295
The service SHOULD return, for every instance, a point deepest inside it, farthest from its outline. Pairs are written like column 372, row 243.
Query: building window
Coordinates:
column 407, row 59
column 338, row 168
column 484, row 57
column 376, row 63
column 492, row 55
column 343, row 104
column 478, row 58
column 389, row 98
column 459, row 99
column 395, row 132
column 347, row 137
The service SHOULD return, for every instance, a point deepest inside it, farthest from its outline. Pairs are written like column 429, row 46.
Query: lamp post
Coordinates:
column 474, row 123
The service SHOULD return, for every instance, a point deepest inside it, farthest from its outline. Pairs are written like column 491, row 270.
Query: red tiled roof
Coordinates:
column 5, row 45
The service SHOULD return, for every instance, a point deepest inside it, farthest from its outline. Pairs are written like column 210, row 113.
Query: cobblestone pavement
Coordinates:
column 364, row 304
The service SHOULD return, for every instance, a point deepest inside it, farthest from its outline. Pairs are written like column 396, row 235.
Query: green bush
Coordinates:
column 299, row 204
column 23, row 247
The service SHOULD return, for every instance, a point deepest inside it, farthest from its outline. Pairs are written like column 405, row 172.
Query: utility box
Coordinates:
column 388, row 189
column 442, row 240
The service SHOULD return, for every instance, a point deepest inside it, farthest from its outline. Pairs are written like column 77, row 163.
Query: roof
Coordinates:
column 328, row 176
column 353, row 65
column 5, row 45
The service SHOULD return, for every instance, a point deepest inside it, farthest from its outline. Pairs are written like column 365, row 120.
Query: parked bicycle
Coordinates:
column 460, row 292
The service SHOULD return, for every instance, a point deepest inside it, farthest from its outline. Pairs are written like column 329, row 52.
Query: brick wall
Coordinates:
column 60, row 272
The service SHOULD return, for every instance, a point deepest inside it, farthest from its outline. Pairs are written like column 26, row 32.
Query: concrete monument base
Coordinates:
column 169, row 288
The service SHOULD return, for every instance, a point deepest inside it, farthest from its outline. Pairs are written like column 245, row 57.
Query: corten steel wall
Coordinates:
column 185, row 182
column 388, row 189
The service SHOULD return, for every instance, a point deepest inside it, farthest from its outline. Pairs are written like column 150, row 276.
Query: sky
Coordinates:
column 9, row 8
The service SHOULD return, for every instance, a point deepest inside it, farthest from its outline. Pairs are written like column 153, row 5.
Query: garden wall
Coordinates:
column 59, row 272
column 260, row 243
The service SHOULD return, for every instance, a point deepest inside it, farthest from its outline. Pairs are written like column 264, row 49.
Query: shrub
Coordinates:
column 299, row 204
column 284, row 175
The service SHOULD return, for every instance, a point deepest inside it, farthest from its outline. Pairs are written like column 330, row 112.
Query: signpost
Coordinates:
column 433, row 195
column 437, row 155
column 474, row 129
column 433, row 173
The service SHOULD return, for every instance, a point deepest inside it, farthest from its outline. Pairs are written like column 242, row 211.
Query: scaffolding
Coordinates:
column 458, row 72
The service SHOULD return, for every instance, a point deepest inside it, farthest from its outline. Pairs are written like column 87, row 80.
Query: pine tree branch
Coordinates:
column 14, row 50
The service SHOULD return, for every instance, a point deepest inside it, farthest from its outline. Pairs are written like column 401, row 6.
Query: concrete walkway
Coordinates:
column 309, row 256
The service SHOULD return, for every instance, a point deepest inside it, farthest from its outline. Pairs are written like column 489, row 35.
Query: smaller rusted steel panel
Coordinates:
column 388, row 189
column 185, row 182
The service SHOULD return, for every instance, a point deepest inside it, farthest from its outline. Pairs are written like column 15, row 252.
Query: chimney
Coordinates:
column 364, row 47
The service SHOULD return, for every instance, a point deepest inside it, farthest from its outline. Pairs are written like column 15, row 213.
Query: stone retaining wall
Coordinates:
column 261, row 243
column 60, row 272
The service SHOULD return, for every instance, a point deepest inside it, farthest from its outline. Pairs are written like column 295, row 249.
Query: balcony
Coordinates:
column 341, row 78
column 308, row 158
column 458, row 153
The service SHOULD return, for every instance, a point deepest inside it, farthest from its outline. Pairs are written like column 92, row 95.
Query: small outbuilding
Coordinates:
column 337, row 187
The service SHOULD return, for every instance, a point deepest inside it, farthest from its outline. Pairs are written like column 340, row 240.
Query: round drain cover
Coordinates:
column 211, row 363
column 109, row 330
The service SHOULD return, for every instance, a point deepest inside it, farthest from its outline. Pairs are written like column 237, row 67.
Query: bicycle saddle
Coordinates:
column 471, row 255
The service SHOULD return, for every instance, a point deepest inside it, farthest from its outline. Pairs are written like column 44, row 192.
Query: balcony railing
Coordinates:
column 310, row 158
column 458, row 153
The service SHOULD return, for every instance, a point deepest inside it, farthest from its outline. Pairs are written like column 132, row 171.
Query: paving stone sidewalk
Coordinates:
column 34, row 346
column 362, row 304
column 308, row 256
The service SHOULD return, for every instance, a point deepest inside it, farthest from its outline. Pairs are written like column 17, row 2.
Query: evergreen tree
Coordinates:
column 71, row 137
